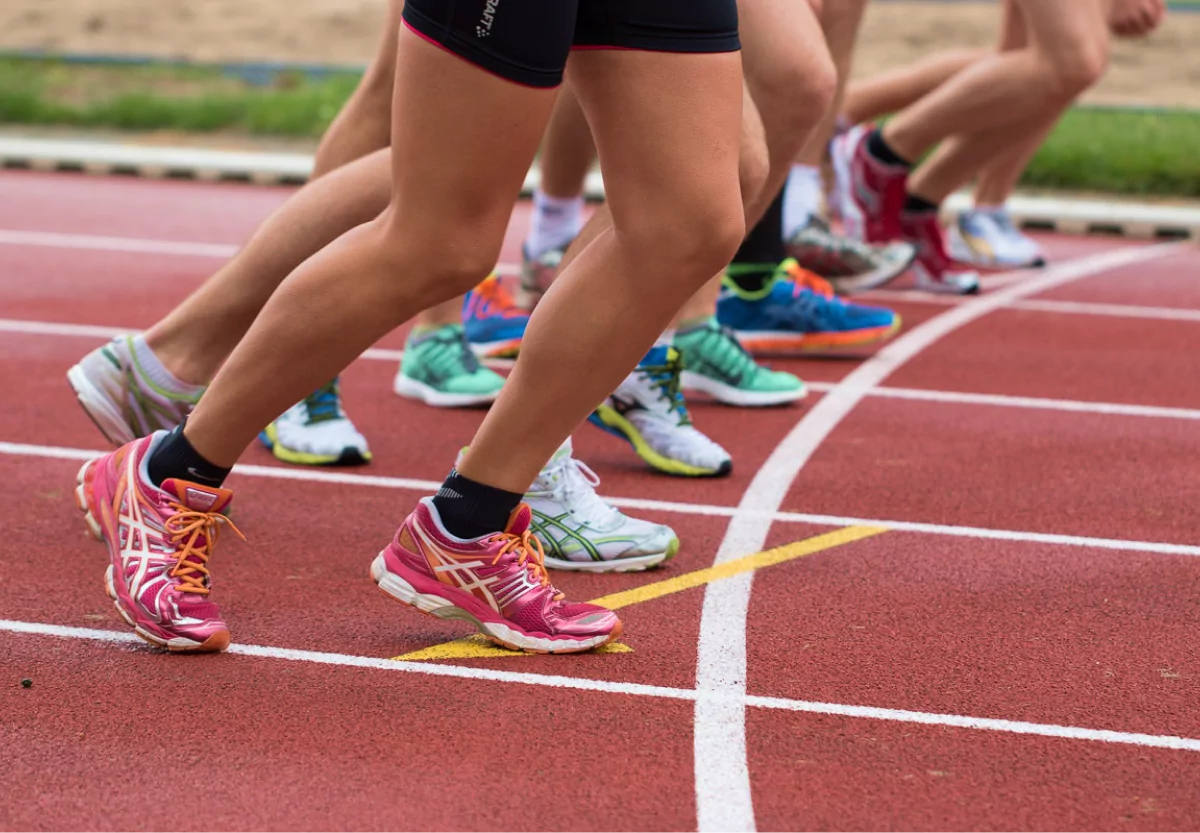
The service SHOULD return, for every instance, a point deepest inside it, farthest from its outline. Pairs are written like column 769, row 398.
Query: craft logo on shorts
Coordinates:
column 489, row 17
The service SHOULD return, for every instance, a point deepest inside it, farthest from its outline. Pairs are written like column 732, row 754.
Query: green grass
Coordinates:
column 164, row 98
column 1121, row 151
column 1116, row 151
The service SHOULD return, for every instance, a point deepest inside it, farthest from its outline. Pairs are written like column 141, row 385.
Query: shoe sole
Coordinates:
column 691, row 382
column 761, row 342
column 505, row 349
column 349, row 456
column 414, row 389
column 218, row 641
column 865, row 282
column 512, row 638
column 609, row 420
column 634, row 564
column 99, row 408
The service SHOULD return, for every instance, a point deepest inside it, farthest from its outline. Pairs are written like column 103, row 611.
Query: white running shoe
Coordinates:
column 579, row 531
column 648, row 411
column 316, row 432
column 121, row 398
column 987, row 238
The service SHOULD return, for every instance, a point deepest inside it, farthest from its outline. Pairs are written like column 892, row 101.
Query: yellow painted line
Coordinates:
column 477, row 647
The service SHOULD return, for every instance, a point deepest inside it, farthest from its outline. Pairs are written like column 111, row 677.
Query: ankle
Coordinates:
column 176, row 458
column 470, row 509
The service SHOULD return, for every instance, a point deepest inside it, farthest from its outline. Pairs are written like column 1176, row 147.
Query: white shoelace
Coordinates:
column 573, row 484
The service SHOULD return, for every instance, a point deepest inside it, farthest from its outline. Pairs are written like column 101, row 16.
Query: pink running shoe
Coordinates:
column 934, row 269
column 159, row 542
column 496, row 582
column 870, row 193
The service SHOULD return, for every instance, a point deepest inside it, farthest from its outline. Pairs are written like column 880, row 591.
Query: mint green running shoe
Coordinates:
column 714, row 362
column 440, row 370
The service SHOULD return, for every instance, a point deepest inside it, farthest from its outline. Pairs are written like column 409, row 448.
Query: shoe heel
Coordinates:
column 81, row 480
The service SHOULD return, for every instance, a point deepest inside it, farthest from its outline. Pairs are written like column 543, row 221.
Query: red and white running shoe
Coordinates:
column 497, row 583
column 869, row 193
column 934, row 269
column 159, row 544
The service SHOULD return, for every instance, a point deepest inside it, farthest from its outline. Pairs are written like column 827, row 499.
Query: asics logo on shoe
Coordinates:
column 199, row 499
column 496, row 591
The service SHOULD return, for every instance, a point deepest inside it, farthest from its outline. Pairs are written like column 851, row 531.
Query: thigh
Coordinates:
column 1055, row 27
column 467, row 115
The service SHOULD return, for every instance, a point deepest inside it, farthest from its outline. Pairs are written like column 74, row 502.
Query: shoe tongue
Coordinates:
column 519, row 520
column 197, row 497
column 564, row 451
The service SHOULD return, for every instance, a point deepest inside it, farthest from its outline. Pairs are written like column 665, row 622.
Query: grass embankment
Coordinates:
column 1117, row 151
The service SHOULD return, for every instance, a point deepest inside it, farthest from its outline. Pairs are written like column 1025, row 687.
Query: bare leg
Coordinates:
column 440, row 235
column 892, row 91
column 194, row 339
column 1067, row 53
column 567, row 150
column 667, row 129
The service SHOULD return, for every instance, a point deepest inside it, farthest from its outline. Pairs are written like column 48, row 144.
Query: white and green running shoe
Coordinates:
column 715, row 363
column 440, row 369
column 647, row 410
column 126, row 399
column 579, row 531
column 316, row 432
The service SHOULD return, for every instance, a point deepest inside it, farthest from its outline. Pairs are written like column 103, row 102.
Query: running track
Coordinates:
column 983, row 614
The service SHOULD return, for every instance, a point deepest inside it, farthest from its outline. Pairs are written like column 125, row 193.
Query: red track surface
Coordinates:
column 937, row 622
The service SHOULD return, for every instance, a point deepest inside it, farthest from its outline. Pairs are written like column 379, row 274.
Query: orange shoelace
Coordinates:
column 804, row 278
column 530, row 555
column 185, row 528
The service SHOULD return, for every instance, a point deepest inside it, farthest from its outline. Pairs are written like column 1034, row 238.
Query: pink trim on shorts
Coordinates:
column 466, row 60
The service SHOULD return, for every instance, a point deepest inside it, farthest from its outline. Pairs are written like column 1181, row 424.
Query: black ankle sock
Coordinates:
column 469, row 509
column 918, row 205
column 878, row 147
column 762, row 250
column 175, row 457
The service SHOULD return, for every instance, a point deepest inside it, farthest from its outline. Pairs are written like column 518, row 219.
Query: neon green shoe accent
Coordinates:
column 439, row 369
column 618, row 424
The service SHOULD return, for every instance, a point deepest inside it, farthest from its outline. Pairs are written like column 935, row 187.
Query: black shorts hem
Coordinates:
column 678, row 43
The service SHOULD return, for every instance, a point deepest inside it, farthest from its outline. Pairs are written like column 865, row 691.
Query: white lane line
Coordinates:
column 1110, row 310
column 1042, row 305
column 985, row 723
column 144, row 246
column 463, row 672
column 1031, row 402
column 131, row 245
column 708, row 510
column 50, row 328
column 723, row 792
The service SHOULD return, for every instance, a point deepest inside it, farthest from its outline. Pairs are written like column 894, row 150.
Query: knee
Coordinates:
column 793, row 97
column 453, row 259
column 693, row 240
column 1074, row 68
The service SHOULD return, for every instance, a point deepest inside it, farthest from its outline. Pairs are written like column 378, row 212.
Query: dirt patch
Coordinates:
column 1163, row 70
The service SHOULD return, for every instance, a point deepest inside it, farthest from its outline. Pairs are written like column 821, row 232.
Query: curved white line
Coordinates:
column 724, row 800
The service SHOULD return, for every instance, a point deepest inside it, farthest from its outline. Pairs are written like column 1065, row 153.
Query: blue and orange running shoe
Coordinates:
column 798, row 311
column 492, row 322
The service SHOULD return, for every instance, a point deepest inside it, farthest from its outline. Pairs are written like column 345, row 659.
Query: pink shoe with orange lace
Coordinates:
column 798, row 311
column 159, row 543
column 497, row 583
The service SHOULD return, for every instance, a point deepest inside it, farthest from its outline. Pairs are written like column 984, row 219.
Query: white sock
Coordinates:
column 155, row 371
column 801, row 198
column 556, row 222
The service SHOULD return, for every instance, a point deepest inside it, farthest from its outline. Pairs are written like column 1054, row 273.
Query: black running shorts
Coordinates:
column 527, row 41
